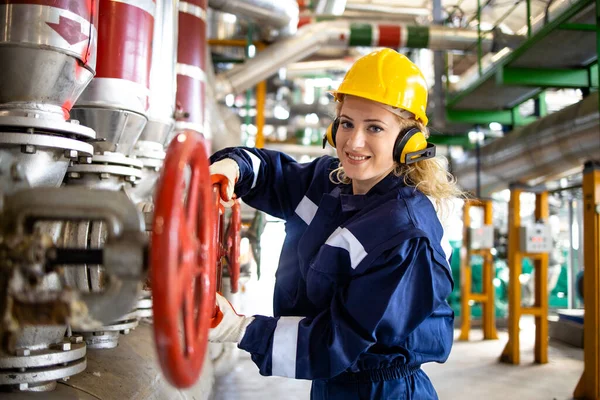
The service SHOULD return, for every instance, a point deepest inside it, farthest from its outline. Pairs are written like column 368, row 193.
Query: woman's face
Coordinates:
column 365, row 142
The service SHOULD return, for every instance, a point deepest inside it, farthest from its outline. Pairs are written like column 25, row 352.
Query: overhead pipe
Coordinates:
column 413, row 11
column 343, row 34
column 332, row 7
column 280, row 15
column 550, row 148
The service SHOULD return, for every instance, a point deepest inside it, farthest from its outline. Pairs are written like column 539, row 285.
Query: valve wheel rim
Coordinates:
column 182, row 260
column 234, row 241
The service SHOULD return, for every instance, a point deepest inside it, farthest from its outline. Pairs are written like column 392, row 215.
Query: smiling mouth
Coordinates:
column 357, row 158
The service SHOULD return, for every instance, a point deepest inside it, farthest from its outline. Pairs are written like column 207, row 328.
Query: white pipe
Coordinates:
column 280, row 15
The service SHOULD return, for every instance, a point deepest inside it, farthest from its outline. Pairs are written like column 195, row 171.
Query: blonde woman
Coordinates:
column 360, row 297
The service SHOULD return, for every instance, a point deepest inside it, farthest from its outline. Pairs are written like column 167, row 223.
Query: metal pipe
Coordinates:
column 413, row 11
column 551, row 147
column 281, row 15
column 343, row 34
column 191, row 66
column 162, row 73
column 333, row 7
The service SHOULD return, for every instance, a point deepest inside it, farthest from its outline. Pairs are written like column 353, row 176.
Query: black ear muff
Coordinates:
column 329, row 136
column 411, row 146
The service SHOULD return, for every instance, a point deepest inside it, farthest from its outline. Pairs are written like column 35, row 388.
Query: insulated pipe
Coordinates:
column 547, row 149
column 343, row 34
column 191, row 66
column 162, row 73
column 281, row 15
column 124, row 54
column 47, row 55
column 333, row 7
column 115, row 102
column 390, row 10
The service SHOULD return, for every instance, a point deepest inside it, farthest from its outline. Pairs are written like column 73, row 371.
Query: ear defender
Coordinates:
column 329, row 136
column 411, row 146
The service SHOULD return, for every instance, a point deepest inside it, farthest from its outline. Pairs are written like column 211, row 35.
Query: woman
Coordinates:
column 360, row 297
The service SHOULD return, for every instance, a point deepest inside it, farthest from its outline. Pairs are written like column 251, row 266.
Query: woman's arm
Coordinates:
column 272, row 181
column 401, row 289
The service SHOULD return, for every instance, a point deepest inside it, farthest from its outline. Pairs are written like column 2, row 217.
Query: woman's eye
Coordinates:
column 375, row 128
column 346, row 124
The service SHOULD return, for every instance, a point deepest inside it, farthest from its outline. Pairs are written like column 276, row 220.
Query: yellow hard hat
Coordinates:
column 387, row 77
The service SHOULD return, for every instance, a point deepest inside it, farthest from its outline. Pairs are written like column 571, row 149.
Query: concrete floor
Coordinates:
column 471, row 373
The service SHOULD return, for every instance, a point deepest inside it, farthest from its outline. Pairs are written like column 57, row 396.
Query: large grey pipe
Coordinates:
column 552, row 147
column 280, row 15
column 312, row 37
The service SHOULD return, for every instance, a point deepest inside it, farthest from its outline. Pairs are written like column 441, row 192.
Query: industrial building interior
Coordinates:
column 109, row 110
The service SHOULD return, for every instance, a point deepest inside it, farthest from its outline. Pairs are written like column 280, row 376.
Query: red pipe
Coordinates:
column 191, row 66
column 125, row 43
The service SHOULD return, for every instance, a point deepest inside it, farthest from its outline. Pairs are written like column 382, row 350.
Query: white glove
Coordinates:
column 226, row 173
column 228, row 326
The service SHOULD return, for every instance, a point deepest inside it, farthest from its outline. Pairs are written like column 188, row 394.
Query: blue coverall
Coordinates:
column 361, row 287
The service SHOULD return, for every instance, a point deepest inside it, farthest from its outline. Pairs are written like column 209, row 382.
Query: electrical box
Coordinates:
column 481, row 238
column 536, row 238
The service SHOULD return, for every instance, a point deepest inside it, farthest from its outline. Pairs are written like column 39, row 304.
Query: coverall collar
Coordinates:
column 355, row 202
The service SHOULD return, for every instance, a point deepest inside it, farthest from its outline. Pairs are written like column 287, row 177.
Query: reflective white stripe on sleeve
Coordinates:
column 285, row 345
column 344, row 239
column 306, row 210
column 255, row 166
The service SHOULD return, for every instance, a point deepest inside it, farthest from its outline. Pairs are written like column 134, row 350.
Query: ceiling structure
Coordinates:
column 307, row 81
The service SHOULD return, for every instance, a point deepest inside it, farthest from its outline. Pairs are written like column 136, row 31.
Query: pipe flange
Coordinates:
column 109, row 164
column 144, row 308
column 22, row 379
column 30, row 142
column 132, row 174
column 107, row 337
column 108, row 157
column 152, row 163
column 147, row 149
column 101, row 339
column 32, row 123
column 56, row 354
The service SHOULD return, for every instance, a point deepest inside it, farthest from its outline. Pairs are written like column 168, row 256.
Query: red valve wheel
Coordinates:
column 182, row 259
column 233, row 244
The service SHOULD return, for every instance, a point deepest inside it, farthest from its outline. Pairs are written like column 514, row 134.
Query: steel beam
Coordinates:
column 504, row 117
column 545, row 78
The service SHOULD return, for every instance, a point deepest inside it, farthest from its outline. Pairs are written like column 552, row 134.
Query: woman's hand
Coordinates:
column 227, row 325
column 226, row 173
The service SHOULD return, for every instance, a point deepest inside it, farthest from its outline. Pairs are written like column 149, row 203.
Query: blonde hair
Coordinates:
column 430, row 176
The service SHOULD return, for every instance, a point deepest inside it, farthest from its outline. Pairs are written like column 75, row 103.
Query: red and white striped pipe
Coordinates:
column 342, row 34
column 191, row 66
column 125, row 29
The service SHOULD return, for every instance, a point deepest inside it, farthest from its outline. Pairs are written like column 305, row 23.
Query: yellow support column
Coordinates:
column 539, row 310
column 465, row 276
column 589, row 384
column 489, row 308
column 261, row 95
column 511, row 350
column 486, row 297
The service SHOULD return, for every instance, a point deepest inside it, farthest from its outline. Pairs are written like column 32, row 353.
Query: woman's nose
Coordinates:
column 356, row 139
